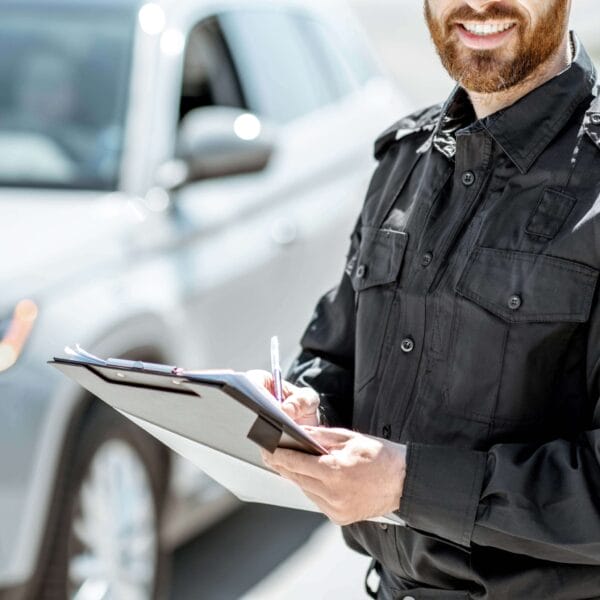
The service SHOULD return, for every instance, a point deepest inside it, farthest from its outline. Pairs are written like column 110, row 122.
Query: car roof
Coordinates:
column 168, row 4
column 71, row 3
column 328, row 10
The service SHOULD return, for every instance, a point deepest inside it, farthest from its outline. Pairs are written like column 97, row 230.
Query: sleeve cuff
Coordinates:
column 442, row 488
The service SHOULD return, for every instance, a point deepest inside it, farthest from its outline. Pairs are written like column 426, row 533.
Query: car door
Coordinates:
column 239, row 250
column 260, row 248
column 322, row 161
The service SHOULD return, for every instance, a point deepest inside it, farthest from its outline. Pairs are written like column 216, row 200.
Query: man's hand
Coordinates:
column 300, row 403
column 361, row 477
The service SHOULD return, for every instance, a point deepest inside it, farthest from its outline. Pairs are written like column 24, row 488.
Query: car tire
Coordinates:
column 105, row 531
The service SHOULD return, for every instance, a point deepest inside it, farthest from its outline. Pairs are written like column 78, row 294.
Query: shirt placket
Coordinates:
column 428, row 263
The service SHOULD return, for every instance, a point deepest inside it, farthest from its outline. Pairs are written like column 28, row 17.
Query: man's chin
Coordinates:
column 486, row 77
column 494, row 86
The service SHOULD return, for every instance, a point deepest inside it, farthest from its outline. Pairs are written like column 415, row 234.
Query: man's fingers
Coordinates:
column 297, row 462
column 312, row 489
column 288, row 388
column 329, row 437
column 301, row 404
column 266, row 457
column 290, row 409
column 308, row 484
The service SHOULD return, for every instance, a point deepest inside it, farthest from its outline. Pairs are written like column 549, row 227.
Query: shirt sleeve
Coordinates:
column 326, row 361
column 542, row 500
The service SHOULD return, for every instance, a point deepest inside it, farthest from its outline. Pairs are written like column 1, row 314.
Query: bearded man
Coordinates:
column 454, row 372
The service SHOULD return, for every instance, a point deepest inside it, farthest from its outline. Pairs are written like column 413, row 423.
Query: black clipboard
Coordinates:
column 224, row 411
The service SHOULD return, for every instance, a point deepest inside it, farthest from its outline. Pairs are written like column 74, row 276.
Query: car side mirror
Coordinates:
column 217, row 141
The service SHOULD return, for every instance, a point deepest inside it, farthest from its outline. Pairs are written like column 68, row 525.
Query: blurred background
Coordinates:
column 178, row 183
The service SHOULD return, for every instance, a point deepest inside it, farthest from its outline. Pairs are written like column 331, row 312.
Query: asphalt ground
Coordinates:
column 267, row 553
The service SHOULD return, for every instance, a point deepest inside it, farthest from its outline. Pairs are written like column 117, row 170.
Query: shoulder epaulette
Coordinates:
column 595, row 105
column 422, row 120
column 591, row 122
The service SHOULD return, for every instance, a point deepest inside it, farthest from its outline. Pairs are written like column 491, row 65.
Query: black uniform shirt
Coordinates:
column 467, row 325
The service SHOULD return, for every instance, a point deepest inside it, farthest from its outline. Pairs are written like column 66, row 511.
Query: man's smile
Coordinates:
column 485, row 35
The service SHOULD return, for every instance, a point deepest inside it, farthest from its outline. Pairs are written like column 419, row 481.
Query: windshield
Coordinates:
column 63, row 91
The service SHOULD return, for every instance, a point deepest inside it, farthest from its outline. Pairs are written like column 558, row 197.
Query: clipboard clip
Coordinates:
column 265, row 434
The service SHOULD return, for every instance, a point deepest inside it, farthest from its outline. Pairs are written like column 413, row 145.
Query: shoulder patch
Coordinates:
column 422, row 120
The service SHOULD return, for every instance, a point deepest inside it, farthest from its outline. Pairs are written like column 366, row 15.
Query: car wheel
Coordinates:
column 106, row 541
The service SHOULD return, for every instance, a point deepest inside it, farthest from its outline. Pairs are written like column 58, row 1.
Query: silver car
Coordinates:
column 178, row 182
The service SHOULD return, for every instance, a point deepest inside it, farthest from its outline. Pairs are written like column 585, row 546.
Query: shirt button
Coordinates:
column 427, row 259
column 387, row 432
column 515, row 302
column 468, row 178
column 407, row 345
column 383, row 526
column 361, row 272
column 595, row 119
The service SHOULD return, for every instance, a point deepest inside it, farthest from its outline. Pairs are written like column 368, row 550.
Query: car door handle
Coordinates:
column 284, row 232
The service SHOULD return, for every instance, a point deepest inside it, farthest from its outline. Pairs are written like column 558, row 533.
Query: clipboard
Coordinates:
column 222, row 410
column 219, row 420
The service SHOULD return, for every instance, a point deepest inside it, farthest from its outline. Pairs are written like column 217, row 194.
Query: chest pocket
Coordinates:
column 374, row 275
column 520, row 287
column 515, row 314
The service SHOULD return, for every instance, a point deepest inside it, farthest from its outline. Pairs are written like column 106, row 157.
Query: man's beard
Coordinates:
column 485, row 71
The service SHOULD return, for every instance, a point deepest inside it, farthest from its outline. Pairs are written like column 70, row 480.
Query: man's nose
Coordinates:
column 483, row 5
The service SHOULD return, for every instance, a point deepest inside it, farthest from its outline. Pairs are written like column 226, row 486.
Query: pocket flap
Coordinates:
column 527, row 287
column 380, row 257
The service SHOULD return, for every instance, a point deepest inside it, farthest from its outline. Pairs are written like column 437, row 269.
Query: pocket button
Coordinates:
column 407, row 345
column 361, row 271
column 515, row 302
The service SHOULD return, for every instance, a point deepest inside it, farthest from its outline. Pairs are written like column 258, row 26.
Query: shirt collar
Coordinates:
column 524, row 129
column 456, row 114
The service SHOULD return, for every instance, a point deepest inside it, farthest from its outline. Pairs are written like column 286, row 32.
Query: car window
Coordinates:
column 209, row 76
column 278, row 74
column 329, row 56
column 64, row 82
column 356, row 53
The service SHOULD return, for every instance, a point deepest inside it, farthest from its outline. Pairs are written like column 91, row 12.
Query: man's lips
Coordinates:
column 488, row 41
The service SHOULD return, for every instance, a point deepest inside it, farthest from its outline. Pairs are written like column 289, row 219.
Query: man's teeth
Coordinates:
column 487, row 28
